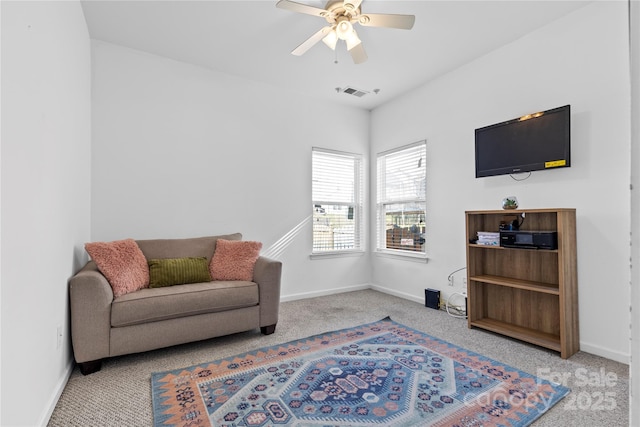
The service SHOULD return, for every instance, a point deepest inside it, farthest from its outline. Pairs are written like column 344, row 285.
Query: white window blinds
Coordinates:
column 336, row 199
column 401, row 198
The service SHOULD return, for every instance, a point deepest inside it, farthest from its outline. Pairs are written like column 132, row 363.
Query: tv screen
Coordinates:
column 537, row 141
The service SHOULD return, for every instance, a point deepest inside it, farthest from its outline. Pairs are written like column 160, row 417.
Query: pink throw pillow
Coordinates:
column 234, row 260
column 122, row 263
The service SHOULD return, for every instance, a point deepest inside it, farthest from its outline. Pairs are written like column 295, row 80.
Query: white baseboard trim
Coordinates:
column 51, row 405
column 605, row 352
column 395, row 293
column 324, row 292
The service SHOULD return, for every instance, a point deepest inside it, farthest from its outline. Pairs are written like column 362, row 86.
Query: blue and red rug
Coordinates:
column 379, row 374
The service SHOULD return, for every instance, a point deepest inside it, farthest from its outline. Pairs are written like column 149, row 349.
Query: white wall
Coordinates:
column 45, row 197
column 635, row 212
column 182, row 151
column 0, row 213
column 582, row 60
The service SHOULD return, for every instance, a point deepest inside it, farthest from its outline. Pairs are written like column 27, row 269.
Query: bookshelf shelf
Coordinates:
column 530, row 295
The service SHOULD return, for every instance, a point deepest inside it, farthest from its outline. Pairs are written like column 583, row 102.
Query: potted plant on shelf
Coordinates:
column 510, row 202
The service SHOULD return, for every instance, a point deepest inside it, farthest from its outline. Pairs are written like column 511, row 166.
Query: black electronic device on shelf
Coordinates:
column 529, row 239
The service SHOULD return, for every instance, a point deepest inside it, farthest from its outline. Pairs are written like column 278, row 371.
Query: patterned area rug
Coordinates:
column 379, row 374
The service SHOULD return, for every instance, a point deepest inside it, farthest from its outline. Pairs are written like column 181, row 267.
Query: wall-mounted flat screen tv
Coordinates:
column 538, row 141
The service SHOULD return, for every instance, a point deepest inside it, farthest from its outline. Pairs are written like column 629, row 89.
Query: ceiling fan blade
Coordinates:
column 351, row 5
column 403, row 22
column 308, row 43
column 358, row 54
column 301, row 8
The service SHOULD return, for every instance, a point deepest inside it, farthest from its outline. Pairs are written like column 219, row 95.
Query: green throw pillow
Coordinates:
column 178, row 271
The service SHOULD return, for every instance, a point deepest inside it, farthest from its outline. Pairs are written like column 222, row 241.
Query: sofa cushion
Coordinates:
column 153, row 304
column 178, row 271
column 234, row 260
column 122, row 263
column 182, row 248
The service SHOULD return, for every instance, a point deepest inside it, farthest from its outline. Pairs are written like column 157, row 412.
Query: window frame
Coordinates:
column 382, row 201
column 357, row 203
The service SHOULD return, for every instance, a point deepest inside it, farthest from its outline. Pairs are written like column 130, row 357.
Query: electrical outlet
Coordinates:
column 451, row 281
column 58, row 337
column 464, row 281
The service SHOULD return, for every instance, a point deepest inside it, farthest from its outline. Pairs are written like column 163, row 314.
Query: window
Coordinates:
column 401, row 199
column 337, row 201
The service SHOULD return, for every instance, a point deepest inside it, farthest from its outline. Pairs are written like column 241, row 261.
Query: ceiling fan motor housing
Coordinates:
column 337, row 11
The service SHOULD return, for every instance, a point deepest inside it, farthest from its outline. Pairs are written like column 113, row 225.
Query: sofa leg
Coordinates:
column 268, row 330
column 90, row 367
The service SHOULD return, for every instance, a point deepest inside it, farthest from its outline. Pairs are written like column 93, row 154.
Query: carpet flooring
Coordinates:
column 381, row 373
column 120, row 394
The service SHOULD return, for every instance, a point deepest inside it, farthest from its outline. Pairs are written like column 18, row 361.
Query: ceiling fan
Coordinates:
column 341, row 15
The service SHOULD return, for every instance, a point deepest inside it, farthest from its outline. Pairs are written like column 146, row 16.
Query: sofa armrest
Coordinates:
column 90, row 300
column 267, row 273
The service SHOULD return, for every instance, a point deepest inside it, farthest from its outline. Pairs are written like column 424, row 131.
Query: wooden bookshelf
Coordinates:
column 530, row 295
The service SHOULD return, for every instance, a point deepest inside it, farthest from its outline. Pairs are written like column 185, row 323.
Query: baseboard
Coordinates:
column 62, row 382
column 324, row 292
column 605, row 352
column 395, row 293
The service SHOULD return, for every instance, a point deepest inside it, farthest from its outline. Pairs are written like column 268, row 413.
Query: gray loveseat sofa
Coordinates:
column 103, row 326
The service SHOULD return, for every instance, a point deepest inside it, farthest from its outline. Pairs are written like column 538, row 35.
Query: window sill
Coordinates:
column 406, row 256
column 336, row 254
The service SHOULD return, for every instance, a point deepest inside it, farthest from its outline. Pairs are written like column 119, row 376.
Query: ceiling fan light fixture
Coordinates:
column 341, row 16
column 344, row 29
column 353, row 40
column 331, row 39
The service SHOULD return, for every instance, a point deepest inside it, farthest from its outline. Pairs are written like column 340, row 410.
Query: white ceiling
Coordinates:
column 253, row 39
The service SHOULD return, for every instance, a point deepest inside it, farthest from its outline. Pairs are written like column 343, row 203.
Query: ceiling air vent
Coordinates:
column 355, row 92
